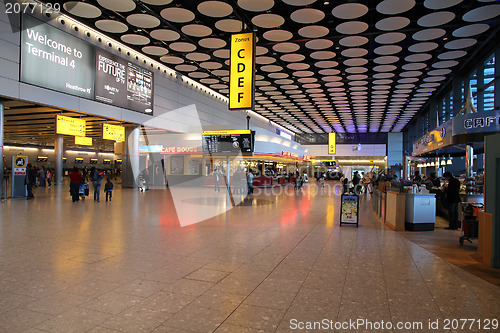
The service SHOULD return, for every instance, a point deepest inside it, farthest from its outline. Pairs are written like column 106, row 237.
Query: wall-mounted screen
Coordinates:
column 78, row 160
column 106, row 161
column 228, row 142
column 42, row 158
column 93, row 161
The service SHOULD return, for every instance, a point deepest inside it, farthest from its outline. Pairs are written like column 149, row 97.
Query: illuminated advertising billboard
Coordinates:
column 50, row 58
column 54, row 59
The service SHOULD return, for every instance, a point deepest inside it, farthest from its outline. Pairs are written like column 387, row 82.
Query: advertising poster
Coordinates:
column 123, row 84
column 177, row 165
column 349, row 209
column 51, row 58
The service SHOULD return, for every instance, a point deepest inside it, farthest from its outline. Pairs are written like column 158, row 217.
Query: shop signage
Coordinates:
column 332, row 143
column 242, row 71
column 83, row 141
column 306, row 158
column 150, row 149
column 113, row 132
column 179, row 150
column 477, row 122
column 70, row 126
column 438, row 138
column 289, row 154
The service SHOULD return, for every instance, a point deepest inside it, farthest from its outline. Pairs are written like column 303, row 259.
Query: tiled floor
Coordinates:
column 268, row 265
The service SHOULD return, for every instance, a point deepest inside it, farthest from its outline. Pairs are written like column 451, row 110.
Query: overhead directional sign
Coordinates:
column 83, row 141
column 70, row 126
column 242, row 72
column 113, row 132
column 332, row 143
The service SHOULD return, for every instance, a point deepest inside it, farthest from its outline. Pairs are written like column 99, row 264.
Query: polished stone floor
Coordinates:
column 274, row 262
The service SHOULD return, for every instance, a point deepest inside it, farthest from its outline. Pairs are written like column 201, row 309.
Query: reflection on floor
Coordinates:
column 128, row 266
column 445, row 244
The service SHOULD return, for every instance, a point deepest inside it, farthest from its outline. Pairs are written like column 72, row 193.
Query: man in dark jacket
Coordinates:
column 30, row 180
column 453, row 199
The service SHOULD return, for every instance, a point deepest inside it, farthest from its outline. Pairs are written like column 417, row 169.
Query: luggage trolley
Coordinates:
column 83, row 190
column 469, row 221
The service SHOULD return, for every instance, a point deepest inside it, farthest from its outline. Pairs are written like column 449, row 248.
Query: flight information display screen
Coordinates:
column 228, row 142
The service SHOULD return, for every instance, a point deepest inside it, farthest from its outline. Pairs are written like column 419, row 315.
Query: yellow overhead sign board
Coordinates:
column 70, row 126
column 228, row 132
column 113, row 132
column 83, row 141
column 242, row 71
column 332, row 139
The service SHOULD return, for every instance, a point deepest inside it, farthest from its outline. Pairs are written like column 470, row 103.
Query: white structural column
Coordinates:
column 131, row 157
column 58, row 152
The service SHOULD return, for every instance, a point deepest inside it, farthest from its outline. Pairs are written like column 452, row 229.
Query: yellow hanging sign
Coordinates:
column 70, row 126
column 83, row 141
column 332, row 140
column 113, row 132
column 242, row 71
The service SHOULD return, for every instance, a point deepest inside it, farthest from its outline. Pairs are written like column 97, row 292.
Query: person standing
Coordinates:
column 85, row 174
column 108, row 188
column 453, row 199
column 76, row 179
column 216, row 180
column 250, row 177
column 41, row 176
column 96, row 183
column 48, row 175
column 355, row 182
column 29, row 181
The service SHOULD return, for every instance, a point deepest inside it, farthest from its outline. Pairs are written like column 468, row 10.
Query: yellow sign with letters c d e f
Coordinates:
column 242, row 71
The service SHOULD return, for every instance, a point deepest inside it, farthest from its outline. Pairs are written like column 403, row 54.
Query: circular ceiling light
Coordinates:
column 391, row 7
column 352, row 27
column 307, row 15
column 172, row 60
column 268, row 20
column 313, row 31
column 135, row 39
column 82, row 9
column 196, row 30
column 471, row 30
column 143, row 21
column 215, row 8
column 286, row 47
column 211, row 65
column 155, row 50
column 482, row 13
column 353, row 41
column 452, row 55
column 445, row 64
column 420, row 57
column 118, row 5
column 386, row 60
column 222, row 53
column 440, row 4
column 256, row 5
column 319, row 44
column 165, row 34
column 197, row 56
column 229, row 25
column 111, row 26
column 429, row 34
column 390, row 38
column 349, row 11
column 178, row 15
column 355, row 61
column 388, row 49
column 277, row 35
column 414, row 66
column 392, row 23
column 292, row 57
column 182, row 47
column 198, row 75
column 354, row 52
column 212, row 43
column 460, row 43
column 435, row 19
column 423, row 47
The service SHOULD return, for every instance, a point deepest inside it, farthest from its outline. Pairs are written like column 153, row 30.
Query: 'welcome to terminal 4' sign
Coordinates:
column 53, row 59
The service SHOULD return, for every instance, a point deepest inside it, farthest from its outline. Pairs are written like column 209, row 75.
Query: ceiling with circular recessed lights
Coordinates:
column 321, row 66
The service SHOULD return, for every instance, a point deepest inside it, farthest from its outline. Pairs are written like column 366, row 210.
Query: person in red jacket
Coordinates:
column 76, row 180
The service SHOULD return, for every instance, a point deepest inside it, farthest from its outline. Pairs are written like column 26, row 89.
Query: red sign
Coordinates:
column 288, row 154
column 178, row 150
column 306, row 158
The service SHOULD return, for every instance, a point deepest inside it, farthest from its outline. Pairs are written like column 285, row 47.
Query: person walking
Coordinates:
column 453, row 199
column 85, row 174
column 96, row 183
column 29, row 181
column 250, row 178
column 75, row 179
column 108, row 188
